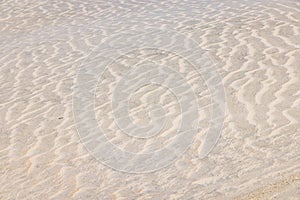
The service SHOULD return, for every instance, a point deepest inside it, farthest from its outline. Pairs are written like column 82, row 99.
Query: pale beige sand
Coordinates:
column 258, row 46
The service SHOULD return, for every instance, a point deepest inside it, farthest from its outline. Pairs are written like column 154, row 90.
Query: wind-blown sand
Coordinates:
column 257, row 45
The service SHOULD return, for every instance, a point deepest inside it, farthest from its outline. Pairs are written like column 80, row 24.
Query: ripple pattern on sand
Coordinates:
column 257, row 43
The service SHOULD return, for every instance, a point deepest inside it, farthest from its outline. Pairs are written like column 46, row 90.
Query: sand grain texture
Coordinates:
column 257, row 45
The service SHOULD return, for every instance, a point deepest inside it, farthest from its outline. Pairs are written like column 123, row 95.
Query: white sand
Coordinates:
column 257, row 45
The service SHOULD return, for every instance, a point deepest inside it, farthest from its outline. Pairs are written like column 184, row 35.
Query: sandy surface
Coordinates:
column 257, row 45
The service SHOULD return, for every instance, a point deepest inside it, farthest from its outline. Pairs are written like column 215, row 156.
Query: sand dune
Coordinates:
column 256, row 45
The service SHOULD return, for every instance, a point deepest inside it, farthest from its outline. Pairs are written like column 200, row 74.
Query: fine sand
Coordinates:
column 256, row 44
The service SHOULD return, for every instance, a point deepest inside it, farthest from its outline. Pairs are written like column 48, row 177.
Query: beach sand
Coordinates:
column 257, row 46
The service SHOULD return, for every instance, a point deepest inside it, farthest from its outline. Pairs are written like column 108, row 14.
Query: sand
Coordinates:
column 256, row 45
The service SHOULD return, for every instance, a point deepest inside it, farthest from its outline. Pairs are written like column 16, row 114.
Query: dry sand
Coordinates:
column 257, row 45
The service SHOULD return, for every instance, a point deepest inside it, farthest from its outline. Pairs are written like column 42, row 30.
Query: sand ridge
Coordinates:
column 257, row 45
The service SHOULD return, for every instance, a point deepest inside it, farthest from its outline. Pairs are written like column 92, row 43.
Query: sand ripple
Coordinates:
column 257, row 43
